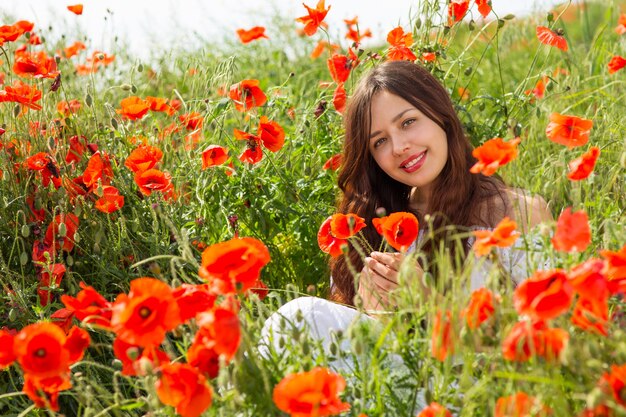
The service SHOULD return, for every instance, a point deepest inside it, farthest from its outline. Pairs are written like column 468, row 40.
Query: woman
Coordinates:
column 405, row 151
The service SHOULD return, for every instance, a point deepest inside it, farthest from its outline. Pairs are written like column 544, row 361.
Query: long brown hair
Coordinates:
column 459, row 198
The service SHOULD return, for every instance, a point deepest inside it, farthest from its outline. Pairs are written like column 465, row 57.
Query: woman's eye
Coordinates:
column 407, row 122
column 379, row 142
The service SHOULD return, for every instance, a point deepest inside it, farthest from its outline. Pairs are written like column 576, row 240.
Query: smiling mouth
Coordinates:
column 414, row 162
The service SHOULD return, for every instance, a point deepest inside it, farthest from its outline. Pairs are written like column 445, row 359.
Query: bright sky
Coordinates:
column 169, row 23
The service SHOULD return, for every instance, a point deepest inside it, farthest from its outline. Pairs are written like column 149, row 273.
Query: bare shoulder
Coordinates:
column 526, row 209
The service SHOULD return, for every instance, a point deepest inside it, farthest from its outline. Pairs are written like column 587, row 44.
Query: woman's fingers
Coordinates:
column 381, row 275
column 391, row 260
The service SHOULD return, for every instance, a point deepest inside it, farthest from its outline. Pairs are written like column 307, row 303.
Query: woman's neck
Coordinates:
column 419, row 199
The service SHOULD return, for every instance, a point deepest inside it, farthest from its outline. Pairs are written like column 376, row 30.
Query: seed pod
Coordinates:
column 25, row 230
column 24, row 258
column 88, row 100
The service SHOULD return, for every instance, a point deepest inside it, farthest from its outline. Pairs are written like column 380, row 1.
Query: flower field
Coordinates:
column 154, row 214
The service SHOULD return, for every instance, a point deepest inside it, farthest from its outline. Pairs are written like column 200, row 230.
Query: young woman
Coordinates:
column 405, row 150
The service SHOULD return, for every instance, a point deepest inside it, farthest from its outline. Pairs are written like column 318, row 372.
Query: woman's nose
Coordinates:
column 400, row 146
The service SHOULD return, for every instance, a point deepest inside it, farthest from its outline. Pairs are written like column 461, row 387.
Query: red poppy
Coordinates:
column 570, row 131
column 35, row 64
column 572, row 231
column 399, row 229
column 339, row 99
column 182, row 386
column 247, row 95
column 314, row 19
column 143, row 158
column 443, row 336
column 136, row 360
column 214, row 155
column 620, row 29
column 493, row 154
column 321, row 46
column 73, row 49
column 589, row 279
column 502, row 236
column 312, row 393
column 614, row 382
column 457, row 10
column 61, row 231
column 193, row 299
column 400, row 43
column 67, row 108
column 44, row 392
column 89, row 306
column 520, row 405
column 144, row 315
column 192, row 121
column 344, row 226
column 271, row 134
column 334, row 162
column 616, row 264
column 479, row 309
column 247, row 36
column 7, row 353
column 327, row 242
column 234, row 265
column 581, row 167
column 40, row 249
column 551, row 38
column 428, row 56
column 545, row 295
column 49, row 275
column 110, row 200
column 591, row 315
column 354, row 34
column 10, row 33
column 133, row 108
column 534, row 339
column 21, row 93
column 159, row 104
column 220, row 331
column 484, row 7
column 616, row 63
column 540, row 88
column 435, row 410
column 76, row 9
column 98, row 170
column 339, row 67
column 153, row 180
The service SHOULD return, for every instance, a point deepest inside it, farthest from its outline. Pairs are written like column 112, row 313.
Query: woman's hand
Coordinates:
column 378, row 278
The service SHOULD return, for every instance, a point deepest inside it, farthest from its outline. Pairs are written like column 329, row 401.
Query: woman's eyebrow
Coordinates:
column 395, row 119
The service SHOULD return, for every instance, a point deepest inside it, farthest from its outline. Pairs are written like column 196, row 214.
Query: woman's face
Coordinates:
column 405, row 143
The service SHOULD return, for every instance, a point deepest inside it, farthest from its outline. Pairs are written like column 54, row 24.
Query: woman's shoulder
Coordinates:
column 527, row 209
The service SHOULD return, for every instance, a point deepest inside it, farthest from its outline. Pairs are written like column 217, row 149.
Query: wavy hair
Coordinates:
column 459, row 198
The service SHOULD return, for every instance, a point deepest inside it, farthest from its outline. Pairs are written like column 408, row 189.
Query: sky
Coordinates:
column 175, row 23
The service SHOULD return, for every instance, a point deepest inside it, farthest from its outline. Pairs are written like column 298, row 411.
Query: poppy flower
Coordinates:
column 73, row 49
column 314, row 19
column 153, row 180
column 457, row 10
column 159, row 104
column 134, row 358
column 540, row 88
column 247, row 36
column 42, row 252
column 614, row 382
column 67, row 108
column 44, row 392
column 110, row 200
column 581, row 167
column 271, row 134
column 545, row 295
column 339, row 67
column 219, row 329
column 354, row 34
column 435, row 410
column 234, row 265
column 572, row 232
column 494, row 154
column 620, row 29
column 247, row 95
column 616, row 263
column 428, row 56
column 334, row 162
column 10, row 33
column 399, row 229
column 146, row 314
column 76, row 9
column 526, row 340
column 47, row 277
column 520, row 405
column 89, row 306
column 321, row 46
column 143, row 158
column 551, row 38
column 214, row 155
column 442, row 337
column 98, row 170
column 61, row 231
column 312, row 393
column 591, row 315
column 616, row 63
column 570, row 131
column 484, row 7
column 133, row 108
column 327, row 242
column 192, row 121
column 193, row 299
column 184, row 388
column 502, row 236
column 21, row 93
column 479, row 309
column 339, row 99
column 7, row 354
column 400, row 43
column 204, row 358
column 344, row 226
column 35, row 64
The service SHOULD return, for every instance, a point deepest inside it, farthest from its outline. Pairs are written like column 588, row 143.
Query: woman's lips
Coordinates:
column 414, row 162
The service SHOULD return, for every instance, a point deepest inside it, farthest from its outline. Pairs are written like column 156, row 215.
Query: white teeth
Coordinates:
column 415, row 161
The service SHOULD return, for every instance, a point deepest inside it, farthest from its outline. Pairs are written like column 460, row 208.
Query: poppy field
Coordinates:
column 154, row 214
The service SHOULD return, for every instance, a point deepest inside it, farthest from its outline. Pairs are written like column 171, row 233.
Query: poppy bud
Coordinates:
column 311, row 289
column 16, row 110
column 381, row 212
column 509, row 16
column 501, row 23
column 126, row 87
column 62, row 230
column 56, row 83
column 24, row 258
column 418, row 23
column 550, row 17
column 320, row 109
column 25, row 230
column 132, row 353
column 88, row 100
column 472, row 25
column 140, row 68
